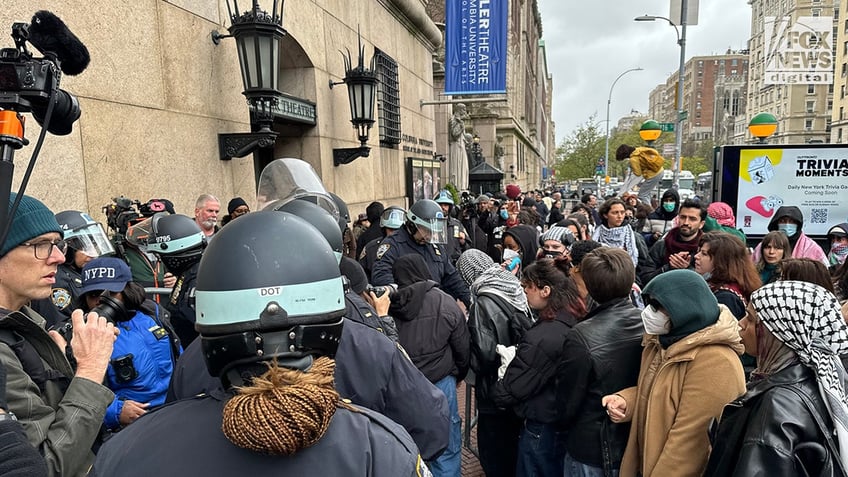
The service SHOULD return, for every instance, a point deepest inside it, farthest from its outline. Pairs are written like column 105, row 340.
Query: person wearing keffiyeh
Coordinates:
column 499, row 315
column 612, row 231
column 793, row 419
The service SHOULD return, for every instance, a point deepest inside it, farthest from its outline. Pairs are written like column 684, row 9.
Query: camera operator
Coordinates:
column 60, row 410
column 141, row 364
column 86, row 241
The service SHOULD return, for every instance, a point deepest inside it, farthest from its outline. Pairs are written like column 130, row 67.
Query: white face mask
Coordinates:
column 655, row 321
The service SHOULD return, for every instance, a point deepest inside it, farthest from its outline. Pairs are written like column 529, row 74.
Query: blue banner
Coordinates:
column 475, row 46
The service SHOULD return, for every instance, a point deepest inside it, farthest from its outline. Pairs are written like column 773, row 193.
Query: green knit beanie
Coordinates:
column 31, row 220
column 687, row 298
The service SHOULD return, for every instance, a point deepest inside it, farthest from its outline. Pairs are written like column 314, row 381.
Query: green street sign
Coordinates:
column 667, row 127
column 683, row 115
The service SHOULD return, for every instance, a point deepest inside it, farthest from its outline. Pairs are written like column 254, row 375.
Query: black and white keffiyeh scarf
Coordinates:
column 807, row 319
column 618, row 237
column 483, row 275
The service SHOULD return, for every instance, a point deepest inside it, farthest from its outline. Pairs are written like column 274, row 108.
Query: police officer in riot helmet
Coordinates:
column 423, row 233
column 456, row 235
column 178, row 242
column 370, row 369
column 391, row 220
column 86, row 241
column 270, row 333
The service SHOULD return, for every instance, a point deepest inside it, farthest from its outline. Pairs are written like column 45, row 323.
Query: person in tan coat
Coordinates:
column 690, row 370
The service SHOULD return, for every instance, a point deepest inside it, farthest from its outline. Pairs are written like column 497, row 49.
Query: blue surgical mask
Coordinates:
column 504, row 214
column 668, row 206
column 788, row 229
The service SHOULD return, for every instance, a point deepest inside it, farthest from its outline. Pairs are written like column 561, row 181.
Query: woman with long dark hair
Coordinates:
column 774, row 247
column 528, row 384
column 725, row 264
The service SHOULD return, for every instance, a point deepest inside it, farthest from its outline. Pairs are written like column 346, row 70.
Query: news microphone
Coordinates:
column 48, row 33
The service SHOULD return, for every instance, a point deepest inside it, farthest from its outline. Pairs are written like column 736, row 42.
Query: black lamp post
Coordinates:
column 476, row 151
column 361, row 90
column 258, row 35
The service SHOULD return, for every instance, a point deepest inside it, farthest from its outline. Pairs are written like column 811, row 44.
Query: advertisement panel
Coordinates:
column 757, row 180
column 475, row 47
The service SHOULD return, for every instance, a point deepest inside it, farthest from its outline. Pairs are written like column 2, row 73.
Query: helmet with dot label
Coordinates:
column 268, row 287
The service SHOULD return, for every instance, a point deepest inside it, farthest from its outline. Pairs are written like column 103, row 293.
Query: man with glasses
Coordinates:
column 61, row 410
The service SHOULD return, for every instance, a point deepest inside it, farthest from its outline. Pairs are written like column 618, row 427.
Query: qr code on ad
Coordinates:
column 818, row 216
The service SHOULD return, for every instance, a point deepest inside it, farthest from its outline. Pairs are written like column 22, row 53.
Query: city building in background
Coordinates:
column 524, row 121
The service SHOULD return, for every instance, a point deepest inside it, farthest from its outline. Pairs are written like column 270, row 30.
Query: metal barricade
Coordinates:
column 470, row 420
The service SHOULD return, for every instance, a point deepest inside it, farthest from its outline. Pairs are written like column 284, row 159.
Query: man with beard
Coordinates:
column 206, row 213
column 677, row 249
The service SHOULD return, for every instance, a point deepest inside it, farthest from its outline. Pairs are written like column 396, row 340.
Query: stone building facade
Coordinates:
column 158, row 92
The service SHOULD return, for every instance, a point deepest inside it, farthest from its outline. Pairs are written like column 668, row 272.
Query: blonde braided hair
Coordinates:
column 284, row 410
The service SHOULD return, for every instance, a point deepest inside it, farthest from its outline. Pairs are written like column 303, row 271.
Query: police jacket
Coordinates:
column 368, row 255
column 600, row 356
column 181, row 305
column 454, row 248
column 61, row 414
column 529, row 383
column 185, row 439
column 371, row 371
column 779, row 427
column 492, row 321
column 141, row 366
column 66, row 290
column 432, row 329
column 438, row 261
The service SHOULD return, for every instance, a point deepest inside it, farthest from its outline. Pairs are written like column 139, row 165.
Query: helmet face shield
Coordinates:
column 392, row 218
column 288, row 179
column 90, row 240
column 433, row 230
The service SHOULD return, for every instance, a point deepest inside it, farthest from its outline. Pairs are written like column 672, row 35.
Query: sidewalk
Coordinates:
column 470, row 464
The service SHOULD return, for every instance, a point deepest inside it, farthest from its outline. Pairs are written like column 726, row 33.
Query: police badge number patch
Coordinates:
column 61, row 298
column 382, row 249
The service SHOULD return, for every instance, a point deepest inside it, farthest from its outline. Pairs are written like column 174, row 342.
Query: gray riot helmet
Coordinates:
column 427, row 217
column 83, row 234
column 177, row 240
column 344, row 213
column 288, row 179
column 392, row 218
column 268, row 288
column 320, row 219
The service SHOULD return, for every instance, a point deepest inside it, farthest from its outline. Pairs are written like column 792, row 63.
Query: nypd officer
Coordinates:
column 423, row 233
column 456, row 236
column 270, row 337
column 86, row 241
column 371, row 370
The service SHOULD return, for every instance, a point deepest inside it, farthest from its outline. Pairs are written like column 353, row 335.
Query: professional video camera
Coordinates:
column 31, row 85
column 120, row 214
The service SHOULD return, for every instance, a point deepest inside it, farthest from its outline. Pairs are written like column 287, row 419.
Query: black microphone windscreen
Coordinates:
column 48, row 32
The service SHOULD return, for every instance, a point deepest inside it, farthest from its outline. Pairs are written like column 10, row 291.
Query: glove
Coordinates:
column 506, row 353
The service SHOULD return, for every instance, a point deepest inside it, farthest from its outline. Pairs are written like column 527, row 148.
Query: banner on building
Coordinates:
column 475, row 46
column 798, row 51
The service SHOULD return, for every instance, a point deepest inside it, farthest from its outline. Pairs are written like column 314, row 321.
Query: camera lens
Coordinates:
column 111, row 309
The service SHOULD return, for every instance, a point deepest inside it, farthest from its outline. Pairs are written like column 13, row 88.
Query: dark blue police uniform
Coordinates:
column 185, row 439
column 371, row 371
column 437, row 259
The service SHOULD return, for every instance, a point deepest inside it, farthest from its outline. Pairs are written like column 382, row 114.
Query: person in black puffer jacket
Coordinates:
column 18, row 457
column 499, row 315
column 661, row 220
column 431, row 327
column 529, row 383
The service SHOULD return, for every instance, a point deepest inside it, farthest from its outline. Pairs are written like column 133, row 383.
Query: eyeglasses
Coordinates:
column 42, row 250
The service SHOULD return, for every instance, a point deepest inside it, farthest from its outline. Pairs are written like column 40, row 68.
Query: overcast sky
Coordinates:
column 589, row 43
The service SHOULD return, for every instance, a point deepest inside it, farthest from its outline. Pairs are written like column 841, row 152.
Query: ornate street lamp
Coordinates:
column 762, row 126
column 476, row 151
column 258, row 36
column 361, row 90
column 650, row 131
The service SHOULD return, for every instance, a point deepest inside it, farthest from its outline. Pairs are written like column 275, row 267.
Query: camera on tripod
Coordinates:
column 28, row 83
